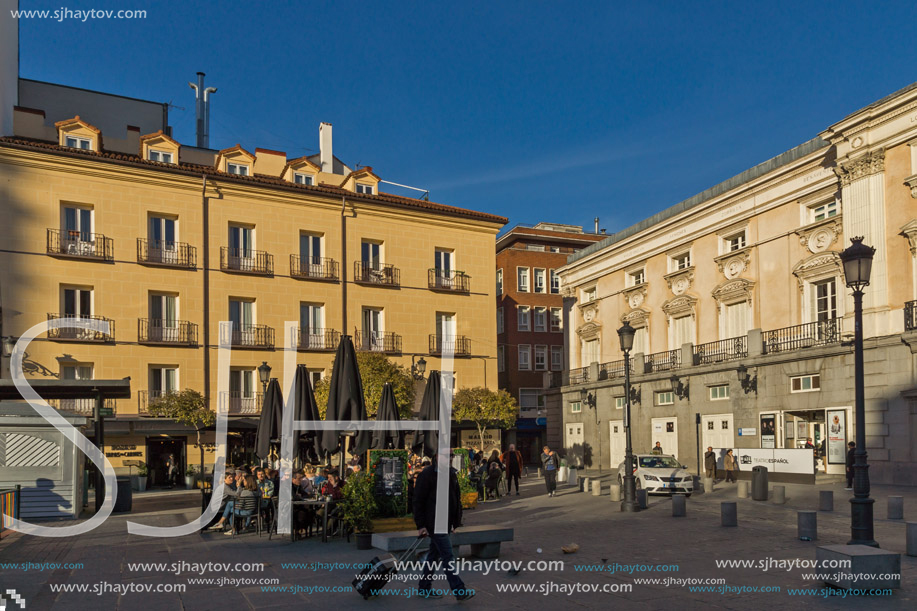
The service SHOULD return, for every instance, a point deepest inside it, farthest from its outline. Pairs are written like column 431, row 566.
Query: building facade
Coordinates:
column 530, row 329
column 745, row 278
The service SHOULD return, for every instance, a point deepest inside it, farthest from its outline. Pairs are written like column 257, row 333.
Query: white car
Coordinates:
column 660, row 474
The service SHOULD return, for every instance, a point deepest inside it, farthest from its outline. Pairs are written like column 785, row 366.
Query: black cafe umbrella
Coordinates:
column 271, row 414
column 305, row 408
column 425, row 442
column 386, row 438
column 345, row 400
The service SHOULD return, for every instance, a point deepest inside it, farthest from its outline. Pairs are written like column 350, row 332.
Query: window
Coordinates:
column 665, row 397
column 576, row 407
column 77, row 302
column 555, row 283
column 303, row 179
column 531, row 398
column 637, row 277
column 825, row 295
column 536, row 247
column 557, row 358
column 499, row 282
column 590, row 352
column 557, row 319
column 161, row 234
column 501, row 359
column 160, row 156
column 311, row 318
column 735, row 242
column 242, row 391
column 523, row 318
column 78, row 143
column 806, row 383
column 640, row 343
column 540, row 281
column 241, row 241
column 500, row 323
column 736, row 320
column 525, row 353
column 720, row 392
column 541, row 320
column 682, row 261
column 589, row 294
column 163, row 380
column 619, row 403
column 237, row 168
column 445, row 327
column 555, row 249
column 823, row 211
column 682, row 331
column 373, row 333
column 310, row 249
column 315, row 376
column 241, row 314
column 444, row 262
column 77, row 225
column 76, row 372
column 364, row 188
column 371, row 253
column 541, row 358
column 522, row 279
column 163, row 325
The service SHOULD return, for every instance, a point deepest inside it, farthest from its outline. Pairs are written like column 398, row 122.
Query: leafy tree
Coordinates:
column 187, row 407
column 375, row 371
column 485, row 408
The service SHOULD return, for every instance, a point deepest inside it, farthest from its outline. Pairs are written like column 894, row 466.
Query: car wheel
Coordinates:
column 688, row 495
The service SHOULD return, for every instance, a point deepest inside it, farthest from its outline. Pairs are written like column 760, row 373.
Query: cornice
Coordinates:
column 909, row 231
column 911, row 182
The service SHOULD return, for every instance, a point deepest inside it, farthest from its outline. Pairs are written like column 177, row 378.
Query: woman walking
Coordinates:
column 550, row 464
column 729, row 463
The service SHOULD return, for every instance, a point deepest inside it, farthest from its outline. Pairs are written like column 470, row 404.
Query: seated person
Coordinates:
column 334, row 487
column 230, row 494
column 493, row 478
column 476, row 480
column 246, row 504
column 266, row 486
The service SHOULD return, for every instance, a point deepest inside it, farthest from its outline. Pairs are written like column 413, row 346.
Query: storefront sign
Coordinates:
column 837, row 436
column 768, row 431
column 776, row 461
column 748, row 431
column 471, row 439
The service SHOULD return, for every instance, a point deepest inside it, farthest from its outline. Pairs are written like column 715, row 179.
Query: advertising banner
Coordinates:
column 837, row 436
column 776, row 460
column 768, row 431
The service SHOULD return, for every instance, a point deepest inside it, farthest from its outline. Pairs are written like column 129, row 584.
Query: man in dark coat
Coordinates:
column 440, row 544
column 851, row 459
column 512, row 460
column 710, row 463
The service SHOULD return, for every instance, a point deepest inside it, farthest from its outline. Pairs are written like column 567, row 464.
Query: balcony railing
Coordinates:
column 240, row 402
column 145, row 398
column 721, row 351
column 384, row 342
column 246, row 261
column 253, row 336
column 314, row 268
column 444, row 280
column 83, row 406
column 579, row 376
column 614, row 369
column 376, row 273
column 89, row 331
column 318, row 339
column 910, row 316
column 556, row 379
column 79, row 244
column 173, row 332
column 169, row 254
column 459, row 344
column 808, row 335
column 661, row 361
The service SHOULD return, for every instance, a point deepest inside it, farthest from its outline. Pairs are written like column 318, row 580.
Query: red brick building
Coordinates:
column 530, row 333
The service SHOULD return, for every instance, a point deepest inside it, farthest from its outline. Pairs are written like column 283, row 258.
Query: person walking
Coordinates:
column 710, row 463
column 170, row 470
column 851, row 459
column 512, row 460
column 549, row 464
column 729, row 463
column 440, row 554
column 658, row 449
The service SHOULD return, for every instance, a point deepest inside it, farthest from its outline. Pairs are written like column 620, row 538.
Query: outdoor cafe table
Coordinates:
column 322, row 502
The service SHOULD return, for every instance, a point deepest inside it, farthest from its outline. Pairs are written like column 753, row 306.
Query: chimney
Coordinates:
column 326, row 155
column 202, row 110
column 596, row 225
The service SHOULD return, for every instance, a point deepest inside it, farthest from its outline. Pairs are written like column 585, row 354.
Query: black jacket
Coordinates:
column 851, row 459
column 425, row 500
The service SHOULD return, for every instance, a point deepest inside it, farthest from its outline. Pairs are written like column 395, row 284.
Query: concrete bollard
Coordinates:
column 896, row 508
column 641, row 498
column 912, row 538
column 826, row 500
column 729, row 514
column 540, row 472
column 779, row 495
column 807, row 525
column 596, row 488
column 583, row 484
column 615, row 493
column 679, row 506
column 742, row 489
column 708, row 484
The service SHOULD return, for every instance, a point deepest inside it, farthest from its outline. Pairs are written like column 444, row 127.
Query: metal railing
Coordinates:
column 376, row 273
column 10, row 499
column 84, row 406
column 314, row 268
column 159, row 331
column 79, row 334
column 556, row 379
column 661, row 361
column 83, row 245
column 579, row 376
column 459, row 344
column 614, row 369
column 145, row 398
column 382, row 342
column 808, row 335
column 246, row 261
column 910, row 316
column 240, row 402
column 444, row 280
column 253, row 336
column 721, row 351
column 162, row 252
column 318, row 339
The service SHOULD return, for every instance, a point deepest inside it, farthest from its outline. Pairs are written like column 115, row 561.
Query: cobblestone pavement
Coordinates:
column 766, row 533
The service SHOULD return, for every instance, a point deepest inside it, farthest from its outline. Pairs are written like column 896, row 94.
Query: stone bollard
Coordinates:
column 540, row 472
column 708, row 484
column 679, row 506
column 615, row 492
column 583, row 484
column 742, row 489
column 912, row 538
column 826, row 500
column 807, row 525
column 779, row 495
column 729, row 514
column 896, row 508
column 596, row 488
column 641, row 498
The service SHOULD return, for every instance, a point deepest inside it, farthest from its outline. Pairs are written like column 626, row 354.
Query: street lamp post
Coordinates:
column 629, row 504
column 264, row 374
column 857, row 259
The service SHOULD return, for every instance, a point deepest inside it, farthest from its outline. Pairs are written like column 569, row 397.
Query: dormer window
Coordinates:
column 77, row 134
column 161, row 156
column 237, row 168
column 303, row 179
column 364, row 188
column 75, row 142
column 160, row 148
column 236, row 161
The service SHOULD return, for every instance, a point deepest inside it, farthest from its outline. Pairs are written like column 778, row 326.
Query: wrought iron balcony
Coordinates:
column 389, row 343
column 240, row 402
column 90, row 328
column 173, row 332
column 808, row 335
column 614, row 369
column 246, row 261
column 318, row 339
column 556, row 379
column 459, row 344
column 450, row 281
column 579, row 376
column 314, row 268
column 253, row 336
column 146, row 398
column 661, row 361
column 376, row 273
column 80, row 245
column 83, row 406
column 910, row 316
column 167, row 254
column 721, row 351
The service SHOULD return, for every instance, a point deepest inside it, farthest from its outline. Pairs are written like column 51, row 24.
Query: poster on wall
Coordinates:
column 802, row 431
column 837, row 436
column 768, row 431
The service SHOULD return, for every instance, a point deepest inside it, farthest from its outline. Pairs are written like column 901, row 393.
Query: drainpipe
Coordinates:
column 343, row 266
column 205, row 215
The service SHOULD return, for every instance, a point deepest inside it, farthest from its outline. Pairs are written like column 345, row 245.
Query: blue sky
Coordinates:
column 557, row 111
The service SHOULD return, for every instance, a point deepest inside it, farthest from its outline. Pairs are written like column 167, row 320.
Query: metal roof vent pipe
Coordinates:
column 596, row 225
column 202, row 110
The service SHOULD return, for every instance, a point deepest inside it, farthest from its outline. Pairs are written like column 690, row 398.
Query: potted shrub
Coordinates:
column 143, row 471
column 189, row 476
column 468, row 492
column 358, row 507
